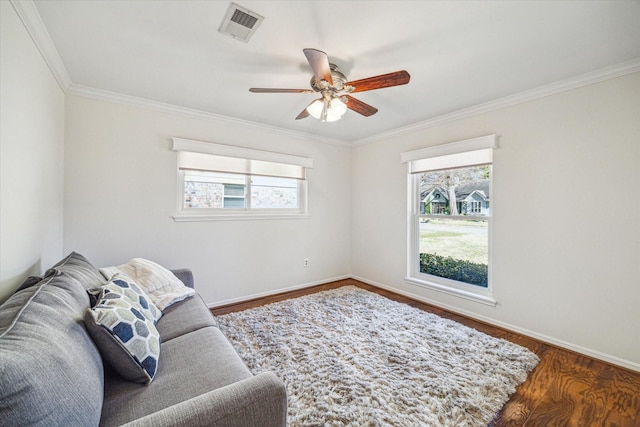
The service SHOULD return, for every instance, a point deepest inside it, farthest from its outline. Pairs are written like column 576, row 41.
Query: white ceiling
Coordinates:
column 459, row 53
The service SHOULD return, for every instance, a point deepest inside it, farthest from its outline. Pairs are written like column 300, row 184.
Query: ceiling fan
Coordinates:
column 329, row 81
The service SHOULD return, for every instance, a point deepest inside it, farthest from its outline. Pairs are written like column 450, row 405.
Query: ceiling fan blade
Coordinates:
column 360, row 107
column 319, row 64
column 378, row 82
column 274, row 90
column 303, row 114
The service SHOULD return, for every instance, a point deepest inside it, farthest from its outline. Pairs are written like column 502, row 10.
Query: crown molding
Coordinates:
column 30, row 17
column 32, row 21
column 597, row 76
column 148, row 104
column 28, row 13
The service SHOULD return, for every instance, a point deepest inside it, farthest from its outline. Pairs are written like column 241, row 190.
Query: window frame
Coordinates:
column 248, row 212
column 440, row 284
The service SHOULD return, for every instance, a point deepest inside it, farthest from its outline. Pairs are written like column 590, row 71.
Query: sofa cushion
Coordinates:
column 185, row 275
column 162, row 286
column 191, row 365
column 78, row 267
column 50, row 370
column 120, row 285
column 184, row 317
column 28, row 282
column 127, row 339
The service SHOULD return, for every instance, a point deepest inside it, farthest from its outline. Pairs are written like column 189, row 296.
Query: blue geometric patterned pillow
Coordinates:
column 126, row 338
column 122, row 285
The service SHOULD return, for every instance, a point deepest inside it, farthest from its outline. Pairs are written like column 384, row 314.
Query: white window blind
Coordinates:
column 470, row 152
column 205, row 156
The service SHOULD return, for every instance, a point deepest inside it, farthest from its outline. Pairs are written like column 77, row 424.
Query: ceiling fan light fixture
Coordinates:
column 315, row 108
column 336, row 106
column 335, row 110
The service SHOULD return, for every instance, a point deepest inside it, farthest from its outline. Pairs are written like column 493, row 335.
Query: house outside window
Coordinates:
column 450, row 218
column 215, row 182
column 234, row 196
column 476, row 207
column 211, row 190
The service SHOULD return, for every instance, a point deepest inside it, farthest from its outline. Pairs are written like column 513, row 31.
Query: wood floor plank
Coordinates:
column 622, row 404
column 564, row 402
column 566, row 389
column 523, row 403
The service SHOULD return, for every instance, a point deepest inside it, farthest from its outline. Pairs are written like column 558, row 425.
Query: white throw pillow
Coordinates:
column 160, row 284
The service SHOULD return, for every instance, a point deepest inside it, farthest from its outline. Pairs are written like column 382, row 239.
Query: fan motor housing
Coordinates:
column 338, row 78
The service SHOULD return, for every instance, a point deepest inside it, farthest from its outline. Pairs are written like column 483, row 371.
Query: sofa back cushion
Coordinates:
column 51, row 371
column 79, row 268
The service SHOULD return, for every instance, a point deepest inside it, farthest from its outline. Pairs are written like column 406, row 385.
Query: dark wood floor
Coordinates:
column 565, row 389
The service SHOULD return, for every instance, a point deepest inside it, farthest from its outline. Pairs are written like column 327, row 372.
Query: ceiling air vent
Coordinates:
column 240, row 23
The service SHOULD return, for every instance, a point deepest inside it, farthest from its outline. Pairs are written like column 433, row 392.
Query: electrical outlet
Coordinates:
column 306, row 262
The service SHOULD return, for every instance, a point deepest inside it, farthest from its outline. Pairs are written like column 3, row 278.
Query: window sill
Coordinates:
column 484, row 298
column 236, row 217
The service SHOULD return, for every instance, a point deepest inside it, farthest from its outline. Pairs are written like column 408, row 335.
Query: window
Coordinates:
column 211, row 190
column 450, row 218
column 215, row 190
column 215, row 182
column 274, row 193
column 453, row 235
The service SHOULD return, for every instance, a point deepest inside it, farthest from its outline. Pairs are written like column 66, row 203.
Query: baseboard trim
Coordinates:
column 276, row 291
column 532, row 334
column 608, row 358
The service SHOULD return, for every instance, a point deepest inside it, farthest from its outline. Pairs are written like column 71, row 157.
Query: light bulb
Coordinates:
column 315, row 109
column 335, row 109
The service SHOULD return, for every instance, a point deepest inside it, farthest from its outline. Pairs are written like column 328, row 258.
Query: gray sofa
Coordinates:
column 52, row 374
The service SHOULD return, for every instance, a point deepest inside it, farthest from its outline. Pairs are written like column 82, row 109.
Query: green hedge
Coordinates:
column 454, row 269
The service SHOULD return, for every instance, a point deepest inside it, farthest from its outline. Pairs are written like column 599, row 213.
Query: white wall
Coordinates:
column 566, row 235
column 566, row 251
column 31, row 157
column 120, row 194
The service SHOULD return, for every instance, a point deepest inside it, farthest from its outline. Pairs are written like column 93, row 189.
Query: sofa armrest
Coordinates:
column 185, row 275
column 257, row 401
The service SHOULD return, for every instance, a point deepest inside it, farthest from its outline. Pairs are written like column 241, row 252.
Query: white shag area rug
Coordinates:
column 350, row 357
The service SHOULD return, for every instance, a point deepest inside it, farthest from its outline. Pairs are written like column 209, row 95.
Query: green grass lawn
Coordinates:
column 463, row 240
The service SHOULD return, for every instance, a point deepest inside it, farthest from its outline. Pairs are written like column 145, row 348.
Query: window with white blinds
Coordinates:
column 217, row 181
column 450, row 205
